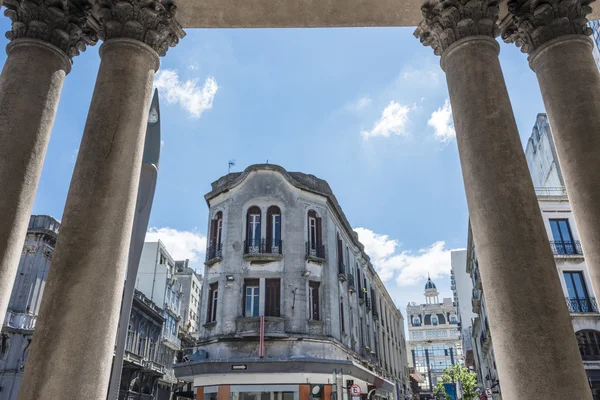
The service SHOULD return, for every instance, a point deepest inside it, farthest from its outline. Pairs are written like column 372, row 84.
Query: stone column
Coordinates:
column 560, row 53
column 42, row 44
column 73, row 343
column 536, row 351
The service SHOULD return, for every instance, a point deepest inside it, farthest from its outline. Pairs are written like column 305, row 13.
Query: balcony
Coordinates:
column 375, row 314
column 263, row 250
column 476, row 300
column 368, row 303
column 250, row 327
column 361, row 295
column 566, row 249
column 588, row 305
column 154, row 366
column 315, row 252
column 133, row 358
column 214, row 254
column 351, row 287
column 342, row 272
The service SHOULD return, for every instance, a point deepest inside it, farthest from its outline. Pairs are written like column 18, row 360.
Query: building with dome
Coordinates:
column 292, row 308
column 434, row 341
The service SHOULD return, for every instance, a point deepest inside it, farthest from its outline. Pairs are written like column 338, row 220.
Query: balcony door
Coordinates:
column 561, row 233
column 578, row 298
column 253, row 230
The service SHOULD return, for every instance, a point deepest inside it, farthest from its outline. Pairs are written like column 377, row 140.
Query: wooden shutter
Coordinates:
column 342, row 316
column 315, row 301
column 209, row 308
column 319, row 237
column 213, row 232
column 340, row 254
column 273, row 297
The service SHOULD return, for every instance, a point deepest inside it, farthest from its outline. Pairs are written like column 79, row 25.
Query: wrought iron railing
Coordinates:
column 351, row 282
column 214, row 251
column 587, row 305
column 341, row 268
column 566, row 248
column 263, row 246
column 315, row 250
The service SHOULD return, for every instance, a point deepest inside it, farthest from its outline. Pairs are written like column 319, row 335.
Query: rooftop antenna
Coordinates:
column 231, row 164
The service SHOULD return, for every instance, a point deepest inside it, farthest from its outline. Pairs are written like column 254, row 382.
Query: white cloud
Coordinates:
column 409, row 267
column 359, row 104
column 393, row 121
column 181, row 245
column 193, row 67
column 442, row 123
column 187, row 94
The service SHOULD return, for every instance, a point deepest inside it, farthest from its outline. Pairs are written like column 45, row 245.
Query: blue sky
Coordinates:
column 352, row 106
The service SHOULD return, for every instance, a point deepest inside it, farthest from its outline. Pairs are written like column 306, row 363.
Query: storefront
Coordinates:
column 302, row 379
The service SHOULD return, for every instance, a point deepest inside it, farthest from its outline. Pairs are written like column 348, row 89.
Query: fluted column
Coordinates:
column 560, row 53
column 536, row 352
column 44, row 38
column 73, row 343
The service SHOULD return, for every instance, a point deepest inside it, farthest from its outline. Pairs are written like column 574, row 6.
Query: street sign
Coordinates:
column 488, row 393
column 355, row 390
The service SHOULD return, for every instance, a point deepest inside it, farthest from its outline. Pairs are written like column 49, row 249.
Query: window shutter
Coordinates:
column 209, row 308
column 340, row 253
column 319, row 237
column 269, row 228
column 244, row 298
column 273, row 298
column 213, row 232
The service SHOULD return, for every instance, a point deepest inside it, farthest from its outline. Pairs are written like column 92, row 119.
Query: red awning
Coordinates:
column 417, row 378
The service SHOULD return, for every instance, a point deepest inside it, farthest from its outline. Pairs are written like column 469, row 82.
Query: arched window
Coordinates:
column 589, row 344
column 253, row 230
column 216, row 234
column 427, row 319
column 453, row 319
column 441, row 319
column 273, row 230
column 416, row 321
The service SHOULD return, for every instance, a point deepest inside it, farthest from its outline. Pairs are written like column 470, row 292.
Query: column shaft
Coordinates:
column 536, row 351
column 72, row 348
column 30, row 87
column 570, row 85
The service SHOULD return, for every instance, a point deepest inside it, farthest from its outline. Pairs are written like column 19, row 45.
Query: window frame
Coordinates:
column 253, row 227
column 253, row 284
column 213, row 302
column 273, row 305
column 314, row 313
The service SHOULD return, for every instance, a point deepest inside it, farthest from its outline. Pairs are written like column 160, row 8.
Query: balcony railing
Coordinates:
column 588, row 305
column 315, row 250
column 566, row 248
column 214, row 251
column 263, row 246
column 551, row 191
column 351, row 286
column 368, row 303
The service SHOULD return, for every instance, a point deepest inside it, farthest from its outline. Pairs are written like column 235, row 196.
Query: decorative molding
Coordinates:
column 151, row 22
column 57, row 22
column 532, row 23
column 447, row 21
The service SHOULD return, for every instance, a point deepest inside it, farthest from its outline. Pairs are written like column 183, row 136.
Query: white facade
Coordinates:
column 462, row 286
column 191, row 285
column 158, row 282
column 542, row 160
column 434, row 342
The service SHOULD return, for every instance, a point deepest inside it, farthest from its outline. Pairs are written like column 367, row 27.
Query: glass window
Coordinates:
column 561, row 233
column 213, row 294
column 589, row 344
column 251, row 298
column 578, row 298
column 253, row 229
column 434, row 320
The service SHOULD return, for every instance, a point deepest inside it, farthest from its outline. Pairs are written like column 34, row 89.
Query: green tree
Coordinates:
column 461, row 376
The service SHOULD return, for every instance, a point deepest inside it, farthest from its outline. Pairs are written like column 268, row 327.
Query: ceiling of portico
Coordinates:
column 304, row 13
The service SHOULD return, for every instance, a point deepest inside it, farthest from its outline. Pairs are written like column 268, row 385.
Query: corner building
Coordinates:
column 281, row 248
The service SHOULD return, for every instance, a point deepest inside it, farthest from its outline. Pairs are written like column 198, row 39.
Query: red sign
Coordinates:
column 355, row 390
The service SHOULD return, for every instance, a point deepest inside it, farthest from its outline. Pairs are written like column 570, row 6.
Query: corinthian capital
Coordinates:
column 532, row 23
column 149, row 21
column 446, row 21
column 57, row 22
